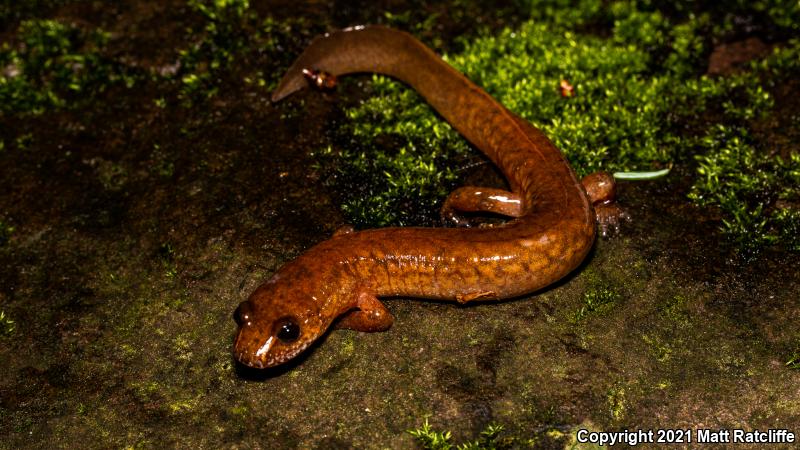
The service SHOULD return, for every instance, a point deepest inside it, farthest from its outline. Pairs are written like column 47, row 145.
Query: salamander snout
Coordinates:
column 274, row 326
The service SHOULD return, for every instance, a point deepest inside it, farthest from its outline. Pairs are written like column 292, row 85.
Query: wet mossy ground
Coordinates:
column 147, row 186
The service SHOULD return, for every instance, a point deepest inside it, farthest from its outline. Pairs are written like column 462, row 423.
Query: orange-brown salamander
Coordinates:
column 551, row 231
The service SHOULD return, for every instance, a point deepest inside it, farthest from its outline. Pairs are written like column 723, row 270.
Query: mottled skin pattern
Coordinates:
column 552, row 231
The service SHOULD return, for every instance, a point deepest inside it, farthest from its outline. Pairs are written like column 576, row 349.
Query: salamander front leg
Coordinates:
column 344, row 229
column 480, row 200
column 369, row 316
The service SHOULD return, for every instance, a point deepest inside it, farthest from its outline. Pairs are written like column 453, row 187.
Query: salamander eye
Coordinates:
column 288, row 330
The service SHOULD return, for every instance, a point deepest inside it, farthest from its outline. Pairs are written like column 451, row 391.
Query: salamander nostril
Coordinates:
column 242, row 314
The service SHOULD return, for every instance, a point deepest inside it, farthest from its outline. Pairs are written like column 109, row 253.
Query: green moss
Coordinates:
column 240, row 411
column 617, row 404
column 348, row 345
column 660, row 349
column 783, row 14
column 749, row 187
column 613, row 108
column 598, row 299
column 634, row 93
column 615, row 122
column 24, row 141
column 222, row 37
column 7, row 326
column 787, row 222
column 489, row 438
column 752, row 186
column 56, row 65
column 147, row 391
column 184, row 405
column 182, row 346
column 431, row 439
column 397, row 186
column 493, row 437
column 674, row 310
column 230, row 31
column 793, row 361
column 634, row 89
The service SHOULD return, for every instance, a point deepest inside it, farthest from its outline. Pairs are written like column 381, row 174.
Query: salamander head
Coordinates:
column 274, row 328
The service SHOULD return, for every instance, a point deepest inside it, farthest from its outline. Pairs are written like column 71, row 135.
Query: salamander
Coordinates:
column 551, row 226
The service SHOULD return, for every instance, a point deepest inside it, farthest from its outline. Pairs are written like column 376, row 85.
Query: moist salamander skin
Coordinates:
column 552, row 226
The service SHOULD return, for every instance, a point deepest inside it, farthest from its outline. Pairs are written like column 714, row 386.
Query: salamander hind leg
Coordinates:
column 479, row 200
column 369, row 316
column 476, row 295
column 602, row 191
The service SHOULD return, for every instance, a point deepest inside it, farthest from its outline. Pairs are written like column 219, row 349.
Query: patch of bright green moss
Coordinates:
column 633, row 94
column 614, row 122
column 755, row 189
column 598, row 299
column 55, row 65
column 493, row 437
column 406, row 181
column 749, row 186
column 617, row 404
column 7, row 326
column 489, row 438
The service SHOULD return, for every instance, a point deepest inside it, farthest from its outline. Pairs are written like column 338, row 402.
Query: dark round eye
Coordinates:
column 288, row 331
